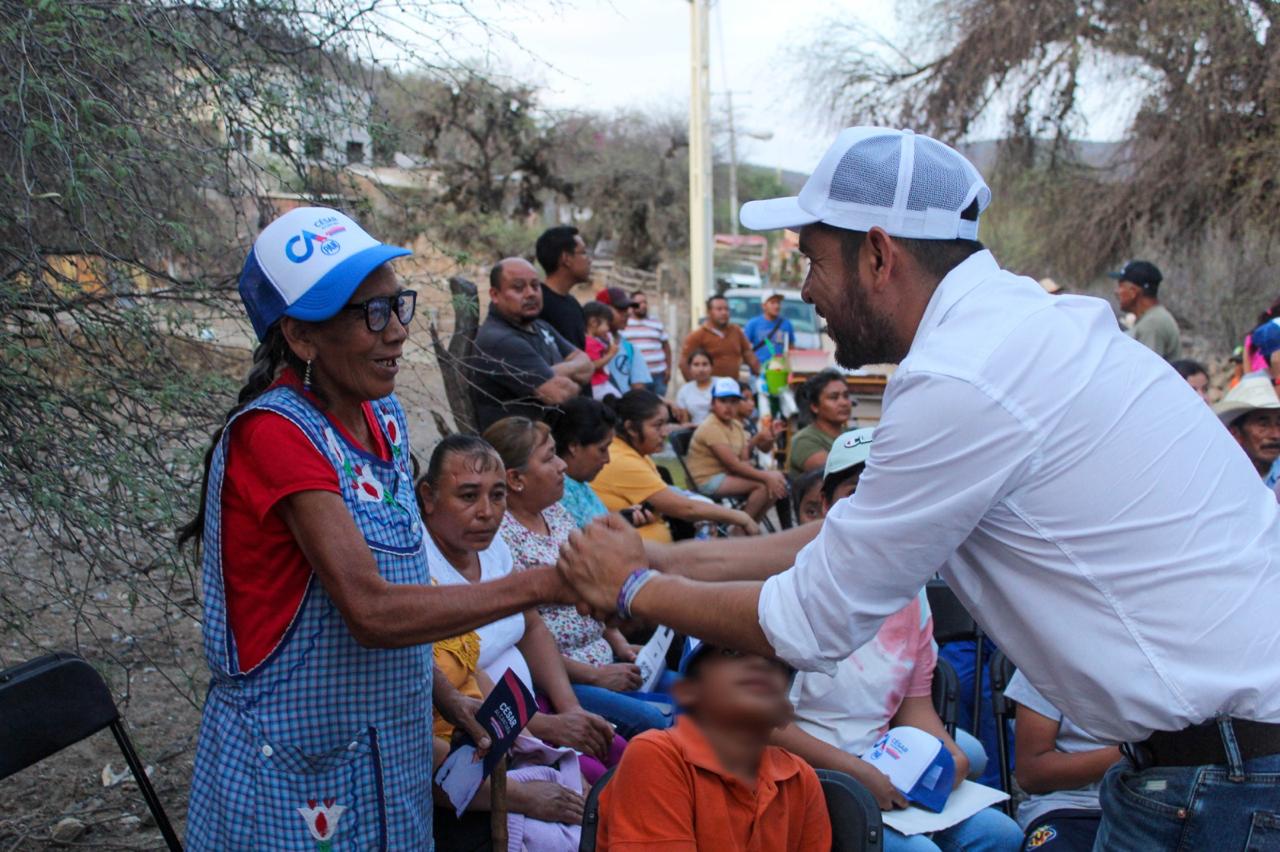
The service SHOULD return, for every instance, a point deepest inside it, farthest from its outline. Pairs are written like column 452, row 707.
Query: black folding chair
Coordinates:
column 591, row 814
column 1001, row 673
column 946, row 694
column 856, row 825
column 680, row 441
column 55, row 701
column 953, row 623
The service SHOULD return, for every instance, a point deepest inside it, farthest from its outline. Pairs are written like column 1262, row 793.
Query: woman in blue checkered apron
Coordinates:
column 325, row 741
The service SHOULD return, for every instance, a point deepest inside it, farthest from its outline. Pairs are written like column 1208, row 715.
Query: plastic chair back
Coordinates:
column 946, row 694
column 856, row 824
column 680, row 440
column 58, row 700
column 1003, row 709
column 591, row 814
column 951, row 621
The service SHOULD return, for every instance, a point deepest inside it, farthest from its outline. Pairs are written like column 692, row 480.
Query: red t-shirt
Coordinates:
column 264, row 572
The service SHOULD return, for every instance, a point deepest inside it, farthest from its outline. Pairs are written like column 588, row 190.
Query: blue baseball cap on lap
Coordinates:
column 306, row 264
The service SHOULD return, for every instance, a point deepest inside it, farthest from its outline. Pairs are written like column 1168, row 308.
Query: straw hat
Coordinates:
column 1254, row 394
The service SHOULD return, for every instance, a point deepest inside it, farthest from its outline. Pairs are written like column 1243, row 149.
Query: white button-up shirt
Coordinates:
column 1083, row 502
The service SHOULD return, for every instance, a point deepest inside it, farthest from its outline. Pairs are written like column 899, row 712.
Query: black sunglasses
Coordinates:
column 377, row 311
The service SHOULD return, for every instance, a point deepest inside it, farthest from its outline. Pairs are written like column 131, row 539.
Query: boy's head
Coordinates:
column 725, row 397
column 747, row 405
column 728, row 687
column 845, row 462
column 807, row 494
column 598, row 317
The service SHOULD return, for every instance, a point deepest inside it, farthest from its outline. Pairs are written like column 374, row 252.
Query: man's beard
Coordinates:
column 862, row 336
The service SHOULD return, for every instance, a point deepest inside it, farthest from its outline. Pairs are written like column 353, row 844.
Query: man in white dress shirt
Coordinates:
column 1079, row 497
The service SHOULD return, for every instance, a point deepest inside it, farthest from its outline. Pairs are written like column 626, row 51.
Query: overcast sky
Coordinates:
column 600, row 55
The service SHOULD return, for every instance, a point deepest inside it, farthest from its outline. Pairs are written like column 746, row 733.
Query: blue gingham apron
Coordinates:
column 325, row 744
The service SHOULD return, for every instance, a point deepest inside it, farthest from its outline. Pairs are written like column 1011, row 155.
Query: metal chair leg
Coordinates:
column 1002, row 752
column 144, row 785
column 977, row 684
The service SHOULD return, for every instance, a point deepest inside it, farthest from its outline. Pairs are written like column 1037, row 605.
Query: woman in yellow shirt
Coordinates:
column 631, row 477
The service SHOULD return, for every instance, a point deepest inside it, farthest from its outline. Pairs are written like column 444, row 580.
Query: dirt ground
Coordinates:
column 152, row 658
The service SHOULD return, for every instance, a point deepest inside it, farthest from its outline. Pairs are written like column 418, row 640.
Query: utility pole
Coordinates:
column 700, row 235
column 733, row 170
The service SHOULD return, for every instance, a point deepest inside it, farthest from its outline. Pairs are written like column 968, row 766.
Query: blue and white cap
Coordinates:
column 918, row 765
column 726, row 388
column 912, row 186
column 306, row 264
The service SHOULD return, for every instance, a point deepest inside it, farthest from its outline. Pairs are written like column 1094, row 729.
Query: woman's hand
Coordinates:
column 618, row 677
column 742, row 519
column 776, row 482
column 577, row 729
column 638, row 515
column 458, row 710
column 597, row 560
column 887, row 795
column 547, row 801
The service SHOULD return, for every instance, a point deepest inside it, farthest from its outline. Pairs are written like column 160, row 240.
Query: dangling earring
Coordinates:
column 306, row 376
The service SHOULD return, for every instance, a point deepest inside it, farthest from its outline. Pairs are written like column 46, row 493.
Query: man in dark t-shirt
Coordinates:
column 522, row 364
column 564, row 256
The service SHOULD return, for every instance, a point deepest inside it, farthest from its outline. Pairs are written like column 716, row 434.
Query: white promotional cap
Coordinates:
column 306, row 264
column 918, row 765
column 912, row 186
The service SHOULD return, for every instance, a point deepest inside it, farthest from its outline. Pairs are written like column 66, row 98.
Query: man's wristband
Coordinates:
column 635, row 581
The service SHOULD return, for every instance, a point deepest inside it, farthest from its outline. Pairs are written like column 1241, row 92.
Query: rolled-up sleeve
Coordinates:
column 943, row 455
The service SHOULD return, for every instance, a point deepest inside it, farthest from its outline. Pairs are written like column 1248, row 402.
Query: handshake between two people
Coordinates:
column 595, row 563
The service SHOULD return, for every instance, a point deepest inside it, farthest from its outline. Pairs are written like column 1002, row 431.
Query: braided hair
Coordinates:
column 270, row 356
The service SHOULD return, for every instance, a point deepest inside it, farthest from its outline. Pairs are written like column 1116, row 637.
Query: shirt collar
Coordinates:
column 957, row 284
column 711, row 328
column 695, row 748
column 531, row 328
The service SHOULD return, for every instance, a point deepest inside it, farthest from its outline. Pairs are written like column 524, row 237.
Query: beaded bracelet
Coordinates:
column 635, row 581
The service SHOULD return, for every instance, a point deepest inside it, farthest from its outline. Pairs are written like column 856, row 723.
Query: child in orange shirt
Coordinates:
column 713, row 781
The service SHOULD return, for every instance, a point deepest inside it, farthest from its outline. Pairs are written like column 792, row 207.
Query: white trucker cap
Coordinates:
column 912, row 186
column 918, row 765
column 306, row 264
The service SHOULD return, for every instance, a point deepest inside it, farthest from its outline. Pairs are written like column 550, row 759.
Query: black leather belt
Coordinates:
column 1202, row 745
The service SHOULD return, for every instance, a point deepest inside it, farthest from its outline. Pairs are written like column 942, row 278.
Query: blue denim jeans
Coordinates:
column 630, row 713
column 974, row 751
column 1232, row 807
column 989, row 830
